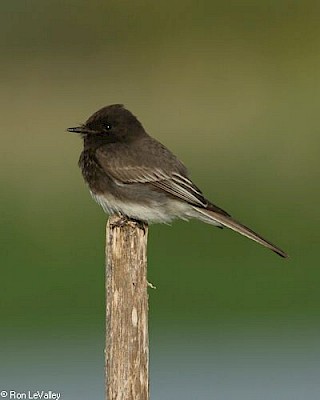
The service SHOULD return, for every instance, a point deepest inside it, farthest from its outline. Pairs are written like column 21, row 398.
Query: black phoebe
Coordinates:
column 131, row 174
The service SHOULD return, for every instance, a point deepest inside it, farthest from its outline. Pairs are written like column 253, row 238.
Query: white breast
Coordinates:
column 150, row 213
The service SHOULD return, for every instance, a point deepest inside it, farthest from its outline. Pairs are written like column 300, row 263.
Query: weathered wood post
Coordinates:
column 127, row 341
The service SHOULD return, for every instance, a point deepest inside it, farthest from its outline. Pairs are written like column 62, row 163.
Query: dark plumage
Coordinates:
column 131, row 174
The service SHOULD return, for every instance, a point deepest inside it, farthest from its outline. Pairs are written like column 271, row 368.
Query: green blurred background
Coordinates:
column 233, row 89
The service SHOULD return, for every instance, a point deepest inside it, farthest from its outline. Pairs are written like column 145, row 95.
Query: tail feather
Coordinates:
column 216, row 218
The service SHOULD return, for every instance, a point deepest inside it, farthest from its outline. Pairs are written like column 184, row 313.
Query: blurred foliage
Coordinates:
column 231, row 87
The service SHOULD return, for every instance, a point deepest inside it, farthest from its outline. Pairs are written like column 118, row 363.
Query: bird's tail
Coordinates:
column 216, row 218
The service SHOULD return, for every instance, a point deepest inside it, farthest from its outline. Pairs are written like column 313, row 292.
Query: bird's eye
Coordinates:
column 107, row 127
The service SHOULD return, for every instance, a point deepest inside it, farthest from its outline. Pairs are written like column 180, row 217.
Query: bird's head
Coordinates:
column 112, row 123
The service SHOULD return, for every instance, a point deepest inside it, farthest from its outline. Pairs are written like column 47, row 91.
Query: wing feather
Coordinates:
column 172, row 181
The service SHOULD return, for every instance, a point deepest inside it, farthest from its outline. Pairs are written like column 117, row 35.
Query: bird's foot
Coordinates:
column 122, row 220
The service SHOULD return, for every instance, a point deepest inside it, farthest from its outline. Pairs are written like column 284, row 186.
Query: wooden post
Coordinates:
column 127, row 340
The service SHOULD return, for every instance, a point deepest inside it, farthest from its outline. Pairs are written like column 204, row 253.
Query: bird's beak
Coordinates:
column 78, row 129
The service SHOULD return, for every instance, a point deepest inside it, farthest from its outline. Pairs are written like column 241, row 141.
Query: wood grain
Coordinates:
column 127, row 340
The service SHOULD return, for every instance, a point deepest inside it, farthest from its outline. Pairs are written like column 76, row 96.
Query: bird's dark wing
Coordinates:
column 159, row 168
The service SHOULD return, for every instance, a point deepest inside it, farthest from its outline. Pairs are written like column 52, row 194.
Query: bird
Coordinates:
column 131, row 174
